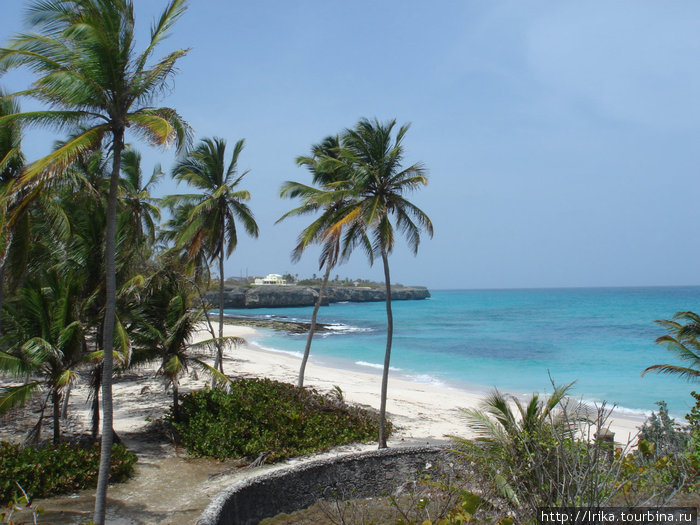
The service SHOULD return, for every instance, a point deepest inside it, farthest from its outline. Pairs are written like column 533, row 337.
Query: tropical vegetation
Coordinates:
column 682, row 341
column 333, row 187
column 273, row 421
column 363, row 188
column 55, row 469
column 91, row 79
column 210, row 215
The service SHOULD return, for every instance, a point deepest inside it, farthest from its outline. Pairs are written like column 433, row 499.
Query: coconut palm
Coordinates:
column 195, row 264
column 211, row 224
column 164, row 327
column 90, row 76
column 681, row 340
column 11, row 165
column 45, row 342
column 140, row 209
column 332, row 196
column 381, row 182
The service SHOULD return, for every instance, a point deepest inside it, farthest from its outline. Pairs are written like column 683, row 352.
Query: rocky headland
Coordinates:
column 271, row 296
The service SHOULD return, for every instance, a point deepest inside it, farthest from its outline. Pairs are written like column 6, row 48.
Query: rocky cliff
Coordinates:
column 281, row 296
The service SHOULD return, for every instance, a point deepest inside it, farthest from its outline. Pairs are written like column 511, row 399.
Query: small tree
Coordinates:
column 45, row 341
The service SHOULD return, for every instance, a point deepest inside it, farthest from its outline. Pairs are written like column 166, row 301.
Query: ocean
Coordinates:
column 515, row 340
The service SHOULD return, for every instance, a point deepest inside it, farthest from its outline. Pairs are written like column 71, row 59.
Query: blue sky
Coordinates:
column 561, row 137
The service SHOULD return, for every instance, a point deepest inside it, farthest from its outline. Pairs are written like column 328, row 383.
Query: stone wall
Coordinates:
column 346, row 477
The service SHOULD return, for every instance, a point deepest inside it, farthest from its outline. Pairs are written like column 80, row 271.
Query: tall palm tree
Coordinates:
column 335, row 188
column 381, row 182
column 211, row 223
column 90, row 76
column 683, row 341
column 11, row 165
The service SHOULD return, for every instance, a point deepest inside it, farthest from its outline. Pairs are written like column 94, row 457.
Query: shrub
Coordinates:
column 667, row 458
column 663, row 433
column 544, row 453
column 55, row 469
column 693, row 419
column 268, row 419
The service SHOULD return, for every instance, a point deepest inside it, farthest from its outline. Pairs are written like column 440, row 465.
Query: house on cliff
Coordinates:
column 271, row 279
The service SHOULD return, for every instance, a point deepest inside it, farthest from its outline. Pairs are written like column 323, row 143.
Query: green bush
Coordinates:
column 55, row 469
column 260, row 416
column 693, row 419
column 666, row 459
column 663, row 433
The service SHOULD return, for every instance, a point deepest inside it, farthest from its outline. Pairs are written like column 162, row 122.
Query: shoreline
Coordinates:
column 421, row 414
column 421, row 410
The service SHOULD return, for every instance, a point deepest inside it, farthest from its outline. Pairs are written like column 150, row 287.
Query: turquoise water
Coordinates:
column 511, row 339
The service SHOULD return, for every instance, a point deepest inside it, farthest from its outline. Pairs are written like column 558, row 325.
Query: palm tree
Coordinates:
column 335, row 189
column 45, row 344
column 381, row 183
column 195, row 264
column 163, row 330
column 91, row 77
column 211, row 224
column 529, row 452
column 11, row 165
column 681, row 340
column 141, row 210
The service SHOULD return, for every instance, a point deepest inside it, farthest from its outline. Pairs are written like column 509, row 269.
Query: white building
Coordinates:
column 272, row 278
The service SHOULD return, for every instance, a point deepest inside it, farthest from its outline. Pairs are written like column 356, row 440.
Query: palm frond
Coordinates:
column 14, row 396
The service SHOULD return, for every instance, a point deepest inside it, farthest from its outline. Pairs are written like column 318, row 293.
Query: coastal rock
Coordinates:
column 233, row 298
column 270, row 296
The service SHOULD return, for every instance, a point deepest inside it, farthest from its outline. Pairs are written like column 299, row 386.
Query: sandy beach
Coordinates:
column 420, row 412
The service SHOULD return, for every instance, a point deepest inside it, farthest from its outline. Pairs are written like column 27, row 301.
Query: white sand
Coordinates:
column 421, row 411
column 155, row 495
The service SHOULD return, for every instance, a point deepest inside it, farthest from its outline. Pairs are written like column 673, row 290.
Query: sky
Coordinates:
column 561, row 137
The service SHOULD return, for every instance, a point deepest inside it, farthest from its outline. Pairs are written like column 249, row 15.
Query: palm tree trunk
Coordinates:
column 96, row 383
column 56, row 400
column 387, row 355
column 66, row 399
column 108, row 335
column 2, row 288
column 312, row 327
column 219, row 344
column 95, row 415
column 176, row 406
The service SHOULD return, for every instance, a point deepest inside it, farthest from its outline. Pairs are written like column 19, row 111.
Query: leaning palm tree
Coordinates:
column 211, row 224
column 331, row 198
column 90, row 76
column 381, row 182
column 683, row 341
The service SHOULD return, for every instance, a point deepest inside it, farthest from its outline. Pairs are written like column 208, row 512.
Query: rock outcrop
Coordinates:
column 270, row 296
